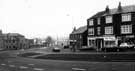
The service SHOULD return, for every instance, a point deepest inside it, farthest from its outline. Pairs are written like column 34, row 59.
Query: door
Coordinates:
column 99, row 43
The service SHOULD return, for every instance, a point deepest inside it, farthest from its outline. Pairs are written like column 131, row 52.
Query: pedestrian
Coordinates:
column 74, row 47
column 70, row 47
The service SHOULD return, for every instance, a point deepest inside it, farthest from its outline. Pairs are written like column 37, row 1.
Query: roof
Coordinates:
column 125, row 9
column 80, row 30
column 12, row 34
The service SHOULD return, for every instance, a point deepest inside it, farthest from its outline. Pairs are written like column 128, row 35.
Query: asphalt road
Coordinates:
column 10, row 62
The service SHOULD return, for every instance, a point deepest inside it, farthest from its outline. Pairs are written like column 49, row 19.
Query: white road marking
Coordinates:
column 11, row 65
column 78, row 69
column 23, row 67
column 3, row 64
column 38, row 69
column 31, row 64
column 9, row 61
column 104, row 56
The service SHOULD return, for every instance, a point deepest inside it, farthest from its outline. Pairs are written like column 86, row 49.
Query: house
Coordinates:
column 14, row 41
column 79, row 37
column 111, row 27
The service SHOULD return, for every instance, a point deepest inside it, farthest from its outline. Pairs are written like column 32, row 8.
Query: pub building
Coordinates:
column 111, row 27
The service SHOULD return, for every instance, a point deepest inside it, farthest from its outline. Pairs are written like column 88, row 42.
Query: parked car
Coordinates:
column 66, row 46
column 126, row 45
column 56, row 49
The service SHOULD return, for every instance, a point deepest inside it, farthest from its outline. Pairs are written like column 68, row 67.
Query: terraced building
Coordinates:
column 111, row 27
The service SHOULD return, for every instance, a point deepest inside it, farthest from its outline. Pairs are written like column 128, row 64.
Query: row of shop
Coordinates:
column 80, row 40
column 109, row 41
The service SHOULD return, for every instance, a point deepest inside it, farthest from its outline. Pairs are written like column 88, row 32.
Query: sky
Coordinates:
column 56, row 18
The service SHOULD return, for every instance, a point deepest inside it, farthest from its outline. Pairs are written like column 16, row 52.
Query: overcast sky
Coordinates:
column 40, row 18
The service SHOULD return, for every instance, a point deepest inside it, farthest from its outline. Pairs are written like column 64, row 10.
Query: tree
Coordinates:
column 49, row 40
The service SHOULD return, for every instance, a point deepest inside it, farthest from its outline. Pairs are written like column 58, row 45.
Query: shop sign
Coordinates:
column 109, row 38
column 91, row 38
column 130, row 36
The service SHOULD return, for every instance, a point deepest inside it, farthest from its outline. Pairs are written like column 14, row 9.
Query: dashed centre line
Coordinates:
column 31, row 64
column 23, row 67
column 9, row 61
column 3, row 64
column 11, row 65
column 38, row 69
column 78, row 69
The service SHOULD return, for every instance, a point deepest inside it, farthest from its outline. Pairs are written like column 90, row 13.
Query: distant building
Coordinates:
column 30, row 42
column 38, row 41
column 110, row 28
column 79, row 37
column 14, row 41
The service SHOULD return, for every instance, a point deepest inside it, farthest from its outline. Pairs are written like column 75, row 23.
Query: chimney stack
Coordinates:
column 74, row 29
column 107, row 9
column 119, row 7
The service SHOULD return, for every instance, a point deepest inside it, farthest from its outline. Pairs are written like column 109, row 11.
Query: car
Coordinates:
column 127, row 45
column 56, row 49
column 66, row 46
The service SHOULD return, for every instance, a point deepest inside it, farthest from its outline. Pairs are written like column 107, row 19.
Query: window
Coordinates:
column 98, row 21
column 98, row 30
column 91, row 31
column 109, row 43
column 91, row 22
column 6, row 46
column 91, row 43
column 126, row 29
column 13, row 41
column 126, row 17
column 108, row 19
column 109, row 30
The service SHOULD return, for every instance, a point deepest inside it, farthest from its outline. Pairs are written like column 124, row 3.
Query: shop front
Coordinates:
column 99, row 43
column 110, row 42
column 106, row 43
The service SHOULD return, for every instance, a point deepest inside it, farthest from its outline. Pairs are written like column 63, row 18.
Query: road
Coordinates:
column 10, row 62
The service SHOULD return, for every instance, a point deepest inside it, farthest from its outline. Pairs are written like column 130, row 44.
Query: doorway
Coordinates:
column 99, row 44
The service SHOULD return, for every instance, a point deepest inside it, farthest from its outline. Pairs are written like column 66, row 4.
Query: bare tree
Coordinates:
column 49, row 40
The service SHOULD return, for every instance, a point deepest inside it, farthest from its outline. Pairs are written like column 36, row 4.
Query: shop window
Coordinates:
column 109, row 43
column 91, row 42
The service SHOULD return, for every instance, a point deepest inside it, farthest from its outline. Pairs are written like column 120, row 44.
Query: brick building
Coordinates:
column 79, row 37
column 111, row 27
column 14, row 41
